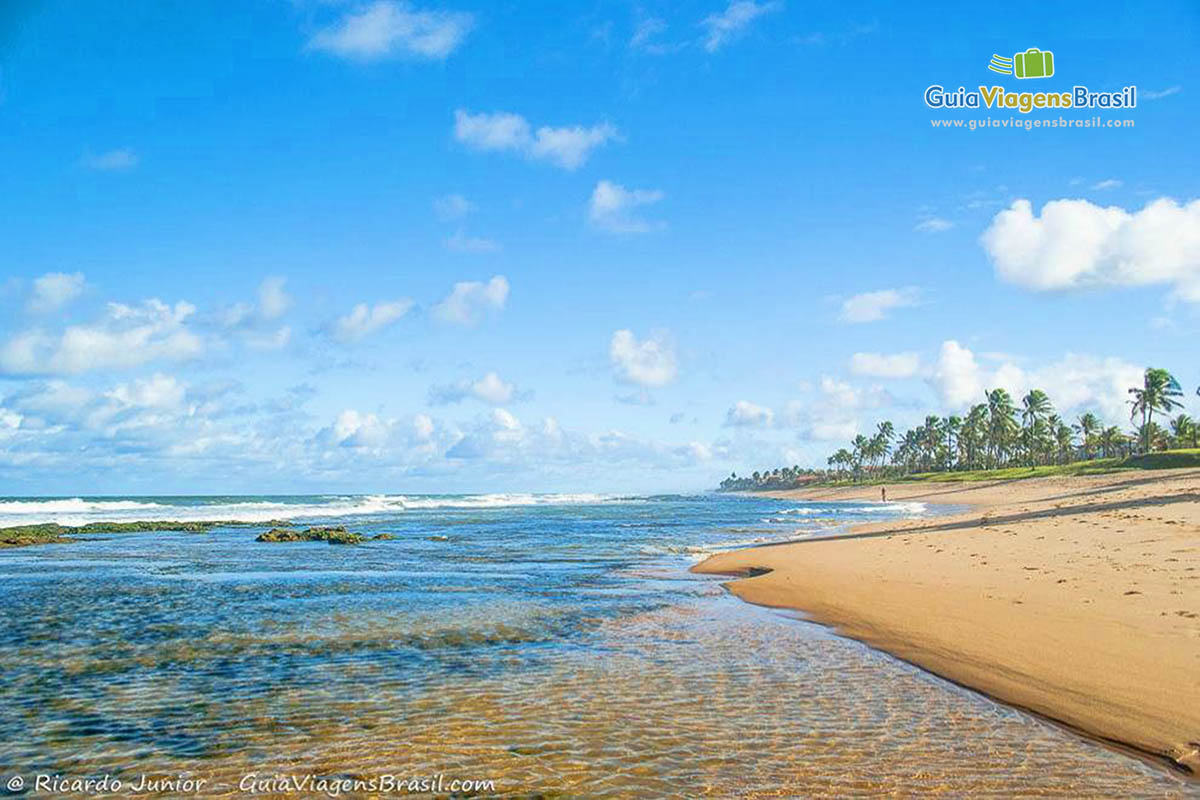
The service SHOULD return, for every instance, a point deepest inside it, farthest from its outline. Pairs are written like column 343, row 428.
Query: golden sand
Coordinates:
column 1078, row 598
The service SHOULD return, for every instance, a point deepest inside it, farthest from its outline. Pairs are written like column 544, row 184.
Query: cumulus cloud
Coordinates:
column 745, row 414
column 272, row 303
column 386, row 28
column 54, row 290
column 649, row 362
column 355, row 429
column 1075, row 382
column 874, row 306
column 883, row 365
column 830, row 416
column 1075, row 243
column 470, row 301
column 364, row 319
column 491, row 388
column 611, row 208
column 567, row 147
column 112, row 160
column 957, row 376
column 725, row 26
column 126, row 336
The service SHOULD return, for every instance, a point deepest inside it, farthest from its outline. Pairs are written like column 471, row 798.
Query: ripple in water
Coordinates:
column 558, row 648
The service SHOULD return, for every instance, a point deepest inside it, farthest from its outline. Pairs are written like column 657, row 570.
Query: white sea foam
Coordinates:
column 832, row 510
column 78, row 511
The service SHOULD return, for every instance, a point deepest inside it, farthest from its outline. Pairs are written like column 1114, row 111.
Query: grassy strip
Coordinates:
column 1169, row 459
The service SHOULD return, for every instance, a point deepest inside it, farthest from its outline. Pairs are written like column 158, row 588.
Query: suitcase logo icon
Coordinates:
column 1033, row 63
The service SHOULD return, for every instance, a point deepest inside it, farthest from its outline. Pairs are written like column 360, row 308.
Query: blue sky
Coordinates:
column 382, row 246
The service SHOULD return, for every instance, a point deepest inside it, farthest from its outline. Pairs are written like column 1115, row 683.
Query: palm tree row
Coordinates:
column 999, row 433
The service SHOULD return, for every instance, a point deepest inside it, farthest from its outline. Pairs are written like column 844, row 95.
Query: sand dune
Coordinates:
column 1078, row 598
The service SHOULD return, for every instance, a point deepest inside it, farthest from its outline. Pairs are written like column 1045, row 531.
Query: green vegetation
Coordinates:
column 999, row 439
column 334, row 535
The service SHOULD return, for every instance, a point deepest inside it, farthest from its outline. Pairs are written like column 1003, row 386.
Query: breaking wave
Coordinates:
column 80, row 510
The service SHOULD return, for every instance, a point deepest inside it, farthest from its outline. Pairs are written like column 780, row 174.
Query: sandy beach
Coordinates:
column 1077, row 598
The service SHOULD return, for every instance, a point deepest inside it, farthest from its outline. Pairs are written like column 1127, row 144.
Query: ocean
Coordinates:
column 552, row 645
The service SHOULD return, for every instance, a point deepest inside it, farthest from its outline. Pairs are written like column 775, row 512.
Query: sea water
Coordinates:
column 553, row 645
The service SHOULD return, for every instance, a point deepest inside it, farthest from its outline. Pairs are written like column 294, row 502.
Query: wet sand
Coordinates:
column 1077, row 598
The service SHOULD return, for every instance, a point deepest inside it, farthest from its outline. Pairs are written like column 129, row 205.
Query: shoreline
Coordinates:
column 1076, row 598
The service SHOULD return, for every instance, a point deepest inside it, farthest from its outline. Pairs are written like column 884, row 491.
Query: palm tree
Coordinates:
column 1002, row 424
column 951, row 430
column 1157, row 393
column 931, row 440
column 1035, row 406
column 1088, row 426
column 973, row 438
column 1152, row 436
column 861, row 445
column 1064, row 438
column 1111, row 441
column 1183, row 430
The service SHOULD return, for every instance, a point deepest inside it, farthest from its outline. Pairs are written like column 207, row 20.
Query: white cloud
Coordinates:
column 873, row 306
column 54, row 290
column 386, row 28
column 1075, row 383
column 1108, row 183
column 611, row 208
column 452, row 207
column 726, row 25
column 567, row 147
column 1077, row 243
column 957, row 377
column 364, row 320
column 650, row 362
column 744, row 414
column 111, row 161
column 273, row 301
column 933, row 225
column 460, row 242
column 423, row 427
column 491, row 389
column 1158, row 95
column 355, row 429
column 470, row 301
column 158, row 391
column 882, row 365
column 126, row 336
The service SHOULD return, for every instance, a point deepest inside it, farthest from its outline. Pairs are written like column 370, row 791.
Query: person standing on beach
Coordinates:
column 883, row 494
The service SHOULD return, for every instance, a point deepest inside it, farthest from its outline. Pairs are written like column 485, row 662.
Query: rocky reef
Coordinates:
column 331, row 535
column 46, row 533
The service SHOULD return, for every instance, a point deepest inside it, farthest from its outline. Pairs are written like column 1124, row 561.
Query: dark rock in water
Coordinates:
column 331, row 535
column 22, row 535
column 380, row 536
